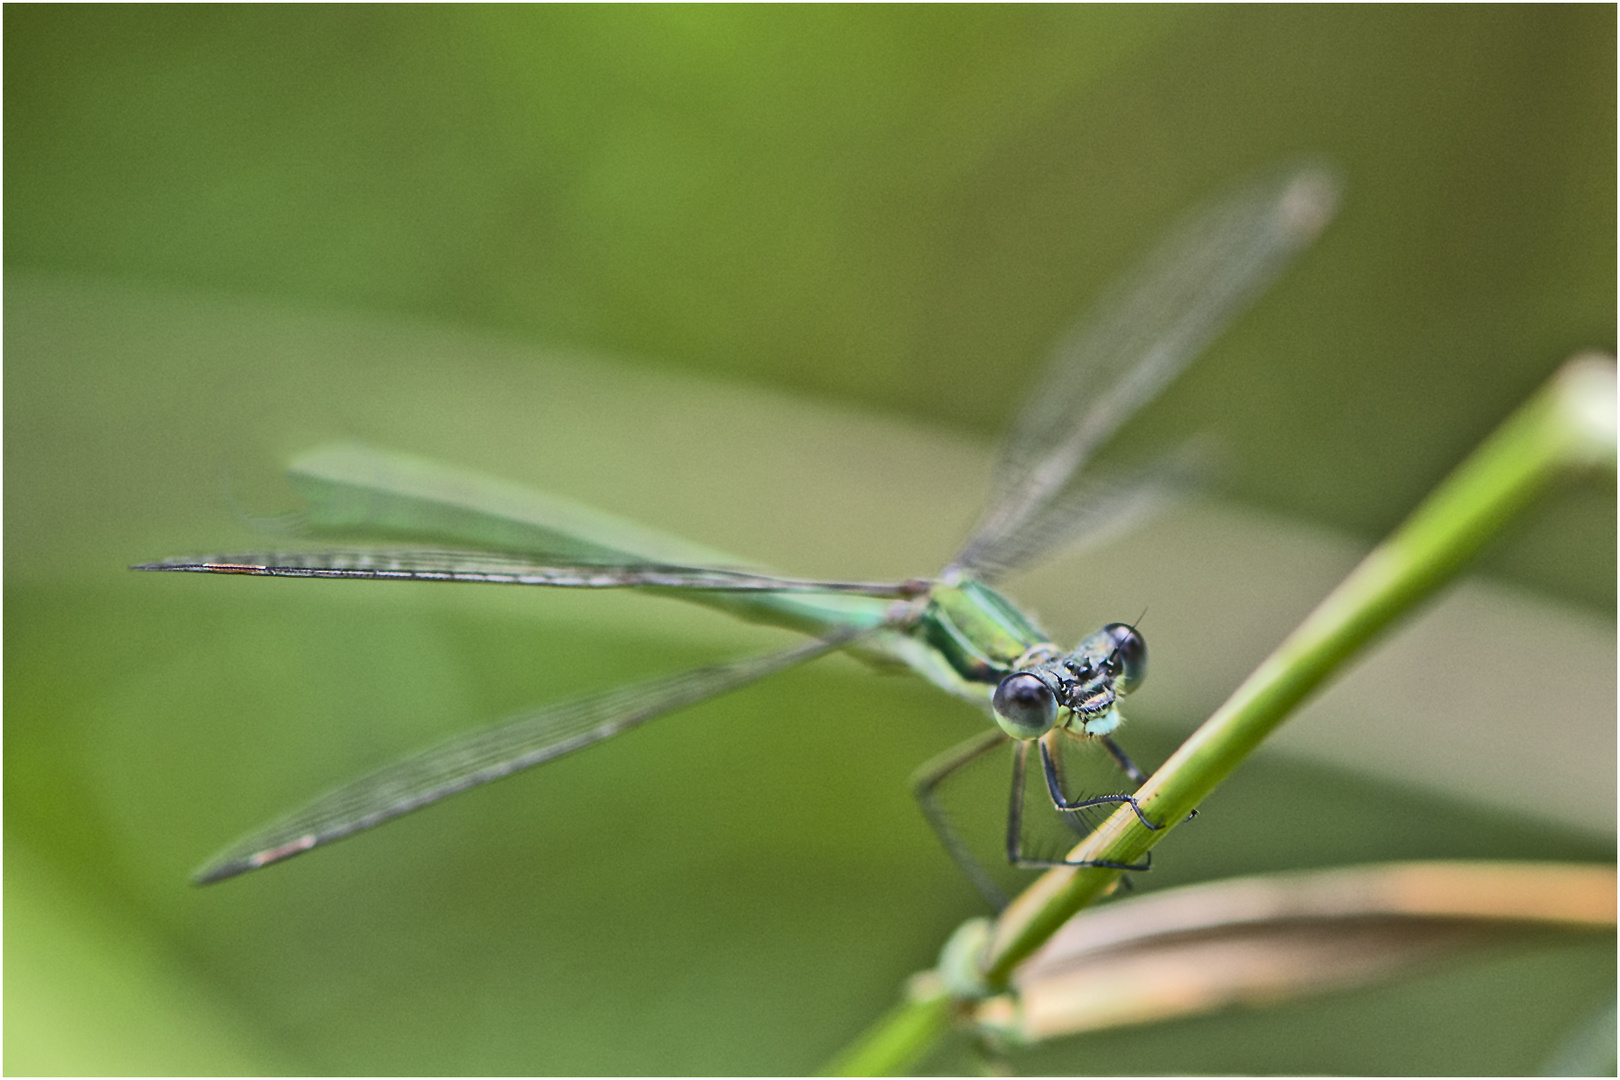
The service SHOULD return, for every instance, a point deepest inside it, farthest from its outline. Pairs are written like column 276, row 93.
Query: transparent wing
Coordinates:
column 492, row 753
column 380, row 564
column 353, row 492
column 359, row 495
column 1137, row 339
column 1096, row 510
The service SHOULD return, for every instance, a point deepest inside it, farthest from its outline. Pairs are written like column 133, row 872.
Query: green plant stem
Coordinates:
column 900, row 1038
column 1567, row 428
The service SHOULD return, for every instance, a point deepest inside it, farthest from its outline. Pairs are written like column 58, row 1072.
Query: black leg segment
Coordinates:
column 1015, row 817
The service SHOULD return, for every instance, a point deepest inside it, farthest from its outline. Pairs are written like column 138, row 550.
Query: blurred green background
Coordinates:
column 773, row 279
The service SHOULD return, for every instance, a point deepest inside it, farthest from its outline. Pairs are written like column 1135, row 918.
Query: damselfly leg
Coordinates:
column 1071, row 811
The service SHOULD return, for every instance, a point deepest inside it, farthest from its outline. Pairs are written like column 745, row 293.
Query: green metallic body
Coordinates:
column 961, row 635
column 978, row 632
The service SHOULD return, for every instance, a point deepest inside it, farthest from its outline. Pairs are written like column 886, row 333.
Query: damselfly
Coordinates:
column 954, row 629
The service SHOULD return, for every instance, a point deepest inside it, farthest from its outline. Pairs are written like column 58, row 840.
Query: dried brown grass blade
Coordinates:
column 1263, row 939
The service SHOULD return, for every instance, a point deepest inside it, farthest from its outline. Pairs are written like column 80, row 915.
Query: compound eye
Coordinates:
column 1129, row 658
column 1025, row 706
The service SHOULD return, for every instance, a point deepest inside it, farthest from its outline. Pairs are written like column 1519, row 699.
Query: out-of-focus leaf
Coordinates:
column 1261, row 939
